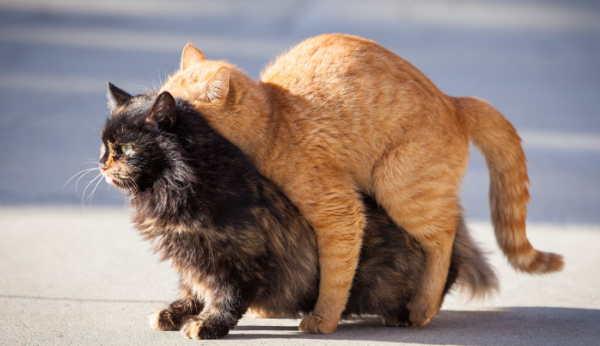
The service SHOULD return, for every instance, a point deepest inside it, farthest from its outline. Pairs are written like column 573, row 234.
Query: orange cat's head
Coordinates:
column 231, row 102
column 200, row 79
column 209, row 85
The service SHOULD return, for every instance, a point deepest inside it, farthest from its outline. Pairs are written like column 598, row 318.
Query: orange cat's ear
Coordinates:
column 217, row 86
column 190, row 55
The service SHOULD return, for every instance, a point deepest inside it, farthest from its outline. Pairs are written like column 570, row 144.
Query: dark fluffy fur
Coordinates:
column 235, row 239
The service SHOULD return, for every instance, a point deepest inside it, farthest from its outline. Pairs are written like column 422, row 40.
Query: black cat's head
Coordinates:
column 138, row 143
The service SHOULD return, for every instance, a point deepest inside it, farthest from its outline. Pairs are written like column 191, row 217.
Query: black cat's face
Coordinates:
column 136, row 144
column 128, row 156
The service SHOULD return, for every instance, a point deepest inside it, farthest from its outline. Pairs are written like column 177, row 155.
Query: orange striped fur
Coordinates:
column 339, row 114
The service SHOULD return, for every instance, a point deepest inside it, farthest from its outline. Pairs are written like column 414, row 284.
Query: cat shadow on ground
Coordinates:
column 506, row 326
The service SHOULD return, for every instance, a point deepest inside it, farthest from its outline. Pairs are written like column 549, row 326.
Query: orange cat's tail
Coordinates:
column 497, row 139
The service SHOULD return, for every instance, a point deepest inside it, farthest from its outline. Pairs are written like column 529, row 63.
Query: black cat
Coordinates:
column 234, row 238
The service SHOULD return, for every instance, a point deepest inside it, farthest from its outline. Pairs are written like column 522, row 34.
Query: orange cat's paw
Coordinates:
column 420, row 315
column 316, row 325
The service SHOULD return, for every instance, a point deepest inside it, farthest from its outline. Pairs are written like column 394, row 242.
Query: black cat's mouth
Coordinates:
column 116, row 182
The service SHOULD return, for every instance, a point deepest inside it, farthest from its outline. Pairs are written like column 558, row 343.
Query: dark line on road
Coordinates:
column 83, row 300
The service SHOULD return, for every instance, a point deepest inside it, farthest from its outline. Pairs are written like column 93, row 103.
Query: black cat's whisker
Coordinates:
column 145, row 87
column 152, row 80
column 135, row 187
column 83, row 200
column 128, row 186
column 77, row 182
column 94, row 191
column 88, row 183
column 84, row 172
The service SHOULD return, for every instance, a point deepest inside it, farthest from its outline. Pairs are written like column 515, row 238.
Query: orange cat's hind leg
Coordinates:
column 437, row 242
column 422, row 199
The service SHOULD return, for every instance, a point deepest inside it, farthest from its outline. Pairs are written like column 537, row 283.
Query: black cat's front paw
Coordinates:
column 398, row 319
column 205, row 327
column 395, row 321
column 164, row 319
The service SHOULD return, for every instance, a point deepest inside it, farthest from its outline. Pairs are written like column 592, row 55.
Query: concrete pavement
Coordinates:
column 79, row 275
column 74, row 276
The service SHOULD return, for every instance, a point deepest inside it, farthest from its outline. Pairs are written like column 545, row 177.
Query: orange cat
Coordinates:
column 339, row 114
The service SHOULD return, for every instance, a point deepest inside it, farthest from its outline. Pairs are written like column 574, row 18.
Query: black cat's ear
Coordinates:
column 163, row 114
column 116, row 97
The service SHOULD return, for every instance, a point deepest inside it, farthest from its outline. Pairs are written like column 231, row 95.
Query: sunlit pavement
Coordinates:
column 74, row 276
column 74, row 272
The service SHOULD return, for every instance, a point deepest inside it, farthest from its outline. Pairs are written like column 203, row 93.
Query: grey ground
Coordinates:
column 73, row 274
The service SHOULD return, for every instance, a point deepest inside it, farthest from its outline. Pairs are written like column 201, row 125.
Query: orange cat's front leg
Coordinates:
column 330, row 203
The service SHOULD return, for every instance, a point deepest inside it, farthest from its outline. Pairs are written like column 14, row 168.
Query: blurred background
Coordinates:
column 73, row 275
column 538, row 62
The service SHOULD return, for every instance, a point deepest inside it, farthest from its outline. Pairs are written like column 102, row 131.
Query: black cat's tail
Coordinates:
column 475, row 274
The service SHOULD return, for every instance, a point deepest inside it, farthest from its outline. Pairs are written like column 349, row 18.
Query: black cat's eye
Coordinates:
column 126, row 149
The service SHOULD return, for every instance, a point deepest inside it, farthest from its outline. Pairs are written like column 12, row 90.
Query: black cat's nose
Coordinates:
column 102, row 161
